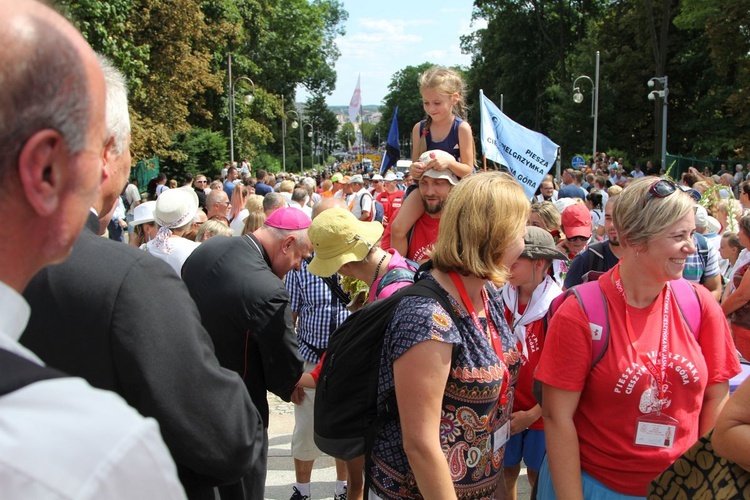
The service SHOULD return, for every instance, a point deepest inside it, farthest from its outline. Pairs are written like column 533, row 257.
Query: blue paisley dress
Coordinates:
column 472, row 410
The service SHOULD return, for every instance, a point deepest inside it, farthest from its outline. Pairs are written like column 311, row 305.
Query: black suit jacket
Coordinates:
column 124, row 321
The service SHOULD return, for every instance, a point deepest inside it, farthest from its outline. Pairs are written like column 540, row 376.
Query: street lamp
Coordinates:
column 284, row 115
column 578, row 98
column 663, row 95
column 248, row 100
column 312, row 142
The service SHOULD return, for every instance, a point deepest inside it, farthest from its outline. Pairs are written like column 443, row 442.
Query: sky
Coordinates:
column 385, row 36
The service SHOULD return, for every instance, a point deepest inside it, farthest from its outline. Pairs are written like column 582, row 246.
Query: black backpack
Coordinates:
column 346, row 417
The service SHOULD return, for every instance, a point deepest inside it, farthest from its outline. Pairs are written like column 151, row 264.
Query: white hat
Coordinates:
column 143, row 213
column 390, row 176
column 563, row 203
column 713, row 225
column 442, row 174
column 438, row 174
column 701, row 217
column 376, row 177
column 356, row 179
column 176, row 207
column 400, row 176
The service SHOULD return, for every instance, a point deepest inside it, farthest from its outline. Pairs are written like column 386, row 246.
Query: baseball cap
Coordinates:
column 288, row 218
column 337, row 177
column 338, row 238
column 576, row 221
column 539, row 244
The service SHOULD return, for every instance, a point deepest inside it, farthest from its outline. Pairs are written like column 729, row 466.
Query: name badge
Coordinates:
column 656, row 430
column 501, row 436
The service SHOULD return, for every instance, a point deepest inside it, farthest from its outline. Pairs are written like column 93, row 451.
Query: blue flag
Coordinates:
column 528, row 155
column 392, row 148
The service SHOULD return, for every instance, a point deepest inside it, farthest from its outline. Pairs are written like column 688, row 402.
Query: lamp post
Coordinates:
column 311, row 135
column 578, row 98
column 248, row 99
column 301, row 162
column 284, row 115
column 663, row 95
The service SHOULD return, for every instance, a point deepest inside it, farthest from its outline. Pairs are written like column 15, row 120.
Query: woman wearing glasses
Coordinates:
column 614, row 420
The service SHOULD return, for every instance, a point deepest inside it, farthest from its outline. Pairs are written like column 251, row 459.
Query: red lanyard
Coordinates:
column 660, row 375
column 494, row 335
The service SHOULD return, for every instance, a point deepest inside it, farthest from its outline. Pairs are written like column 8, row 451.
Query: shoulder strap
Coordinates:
column 430, row 289
column 689, row 304
column 596, row 257
column 396, row 275
column 17, row 372
column 594, row 305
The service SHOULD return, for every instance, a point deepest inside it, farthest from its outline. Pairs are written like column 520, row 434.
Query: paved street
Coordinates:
column 281, row 468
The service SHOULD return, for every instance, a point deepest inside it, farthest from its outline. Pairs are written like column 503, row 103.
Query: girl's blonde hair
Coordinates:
column 253, row 221
column 254, row 203
column 549, row 215
column 485, row 214
column 444, row 81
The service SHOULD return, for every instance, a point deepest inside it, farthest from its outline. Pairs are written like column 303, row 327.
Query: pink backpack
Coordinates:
column 594, row 305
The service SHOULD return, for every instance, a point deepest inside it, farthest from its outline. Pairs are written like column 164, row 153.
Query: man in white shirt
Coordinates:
column 59, row 438
column 361, row 202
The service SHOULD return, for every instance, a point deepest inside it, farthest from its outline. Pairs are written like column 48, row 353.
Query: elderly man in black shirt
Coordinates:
column 237, row 285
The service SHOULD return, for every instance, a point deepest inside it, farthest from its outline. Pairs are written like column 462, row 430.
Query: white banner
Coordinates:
column 528, row 155
column 356, row 103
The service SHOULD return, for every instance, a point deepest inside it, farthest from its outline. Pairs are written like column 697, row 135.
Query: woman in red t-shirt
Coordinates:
column 611, row 426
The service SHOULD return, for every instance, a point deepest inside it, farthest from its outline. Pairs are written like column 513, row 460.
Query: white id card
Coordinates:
column 657, row 430
column 501, row 436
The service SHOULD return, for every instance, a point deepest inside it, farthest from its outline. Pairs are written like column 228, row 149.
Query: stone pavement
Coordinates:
column 280, row 478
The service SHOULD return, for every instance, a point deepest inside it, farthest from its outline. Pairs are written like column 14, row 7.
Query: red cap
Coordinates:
column 576, row 221
column 288, row 218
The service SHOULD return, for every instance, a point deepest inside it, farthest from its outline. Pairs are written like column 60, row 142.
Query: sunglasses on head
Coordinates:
column 661, row 189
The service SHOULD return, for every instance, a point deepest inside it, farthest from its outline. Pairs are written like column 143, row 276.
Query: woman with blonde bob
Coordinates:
column 449, row 439
column 614, row 421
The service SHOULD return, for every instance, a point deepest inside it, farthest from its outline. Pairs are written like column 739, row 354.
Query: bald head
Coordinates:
column 326, row 203
column 45, row 70
column 52, row 135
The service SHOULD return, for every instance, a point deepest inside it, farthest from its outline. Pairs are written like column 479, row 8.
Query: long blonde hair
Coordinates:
column 484, row 215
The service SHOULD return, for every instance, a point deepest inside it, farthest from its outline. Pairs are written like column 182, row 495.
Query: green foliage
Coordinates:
column 531, row 52
column 174, row 54
column 204, row 152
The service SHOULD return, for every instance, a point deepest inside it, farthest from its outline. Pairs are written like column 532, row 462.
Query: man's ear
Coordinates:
column 41, row 168
column 287, row 243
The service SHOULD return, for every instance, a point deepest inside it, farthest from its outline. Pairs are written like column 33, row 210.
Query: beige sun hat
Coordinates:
column 338, row 238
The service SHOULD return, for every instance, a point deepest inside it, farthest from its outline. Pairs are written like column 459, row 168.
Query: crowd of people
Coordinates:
column 583, row 332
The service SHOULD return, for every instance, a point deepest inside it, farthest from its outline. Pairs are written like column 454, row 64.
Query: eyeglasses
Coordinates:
column 376, row 182
column 578, row 239
column 661, row 189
